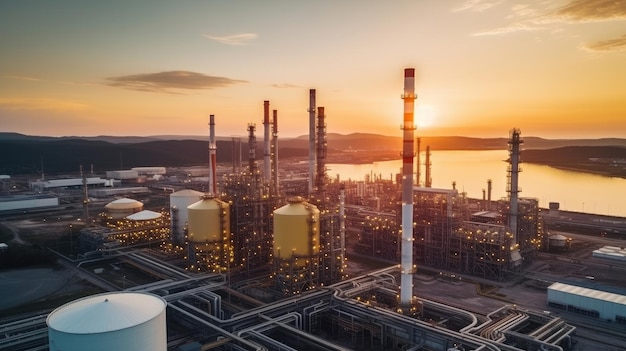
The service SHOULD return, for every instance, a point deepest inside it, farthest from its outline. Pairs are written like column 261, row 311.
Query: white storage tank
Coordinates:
column 123, row 207
column 121, row 321
column 296, row 229
column 179, row 201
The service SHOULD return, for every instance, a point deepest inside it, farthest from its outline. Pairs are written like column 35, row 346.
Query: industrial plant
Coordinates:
column 250, row 256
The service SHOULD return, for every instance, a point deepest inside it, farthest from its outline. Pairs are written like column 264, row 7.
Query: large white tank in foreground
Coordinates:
column 112, row 321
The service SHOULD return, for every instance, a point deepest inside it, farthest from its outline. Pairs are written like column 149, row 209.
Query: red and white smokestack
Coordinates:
column 275, row 152
column 212, row 157
column 408, row 127
column 311, row 139
column 267, row 169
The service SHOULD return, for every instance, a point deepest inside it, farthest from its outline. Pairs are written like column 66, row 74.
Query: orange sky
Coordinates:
column 554, row 69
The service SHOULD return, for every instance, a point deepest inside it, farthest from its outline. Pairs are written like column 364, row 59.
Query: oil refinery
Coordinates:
column 255, row 257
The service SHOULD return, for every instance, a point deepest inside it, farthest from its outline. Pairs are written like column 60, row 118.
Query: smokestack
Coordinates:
column 418, row 169
column 428, row 182
column 406, row 287
column 311, row 139
column 275, row 152
column 489, row 194
column 267, row 169
column 453, row 185
column 85, row 196
column 514, row 160
column 251, row 149
column 212, row 157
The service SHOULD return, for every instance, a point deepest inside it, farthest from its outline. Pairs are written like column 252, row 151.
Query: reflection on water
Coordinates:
column 575, row 191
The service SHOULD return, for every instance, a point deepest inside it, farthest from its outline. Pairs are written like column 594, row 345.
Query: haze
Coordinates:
column 554, row 69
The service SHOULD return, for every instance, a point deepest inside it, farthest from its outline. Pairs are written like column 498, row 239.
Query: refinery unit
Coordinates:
column 258, row 262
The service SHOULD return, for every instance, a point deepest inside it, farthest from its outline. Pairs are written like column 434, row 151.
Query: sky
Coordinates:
column 553, row 69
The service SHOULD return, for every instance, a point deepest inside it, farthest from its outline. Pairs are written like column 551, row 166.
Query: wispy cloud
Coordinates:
column 170, row 81
column 477, row 5
column 517, row 27
column 235, row 39
column 618, row 44
column 285, row 86
column 49, row 104
column 591, row 11
column 30, row 79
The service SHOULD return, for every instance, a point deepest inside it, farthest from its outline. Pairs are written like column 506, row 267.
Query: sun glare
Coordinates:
column 424, row 116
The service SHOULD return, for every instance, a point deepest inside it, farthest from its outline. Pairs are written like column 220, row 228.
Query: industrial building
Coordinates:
column 589, row 302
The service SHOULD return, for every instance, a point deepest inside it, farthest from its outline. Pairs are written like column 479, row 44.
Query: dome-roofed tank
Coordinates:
column 111, row 321
column 208, row 220
column 296, row 229
column 123, row 207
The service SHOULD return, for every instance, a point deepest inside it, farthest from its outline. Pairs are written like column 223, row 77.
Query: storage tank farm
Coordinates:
column 296, row 246
column 208, row 235
column 111, row 321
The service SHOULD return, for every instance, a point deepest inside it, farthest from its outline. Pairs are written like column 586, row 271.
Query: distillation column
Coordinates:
column 275, row 153
column 514, row 160
column 406, row 287
column 428, row 182
column 267, row 170
column 212, row 157
column 418, row 168
column 311, row 139
column 251, row 149
column 320, row 178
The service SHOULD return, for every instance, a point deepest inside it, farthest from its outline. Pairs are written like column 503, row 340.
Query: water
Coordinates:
column 575, row 191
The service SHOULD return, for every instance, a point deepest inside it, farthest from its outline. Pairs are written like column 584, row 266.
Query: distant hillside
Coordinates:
column 66, row 154
column 604, row 160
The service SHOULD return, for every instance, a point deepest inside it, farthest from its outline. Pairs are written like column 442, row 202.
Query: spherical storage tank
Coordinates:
column 121, row 208
column 296, row 229
column 209, row 220
column 110, row 321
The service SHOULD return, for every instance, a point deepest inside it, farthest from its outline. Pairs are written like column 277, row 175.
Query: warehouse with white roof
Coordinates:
column 595, row 303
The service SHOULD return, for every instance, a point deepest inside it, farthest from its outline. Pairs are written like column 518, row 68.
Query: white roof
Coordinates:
column 105, row 313
column 144, row 215
column 590, row 293
column 124, row 203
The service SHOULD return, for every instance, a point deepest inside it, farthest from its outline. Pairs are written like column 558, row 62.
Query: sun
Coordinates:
column 424, row 116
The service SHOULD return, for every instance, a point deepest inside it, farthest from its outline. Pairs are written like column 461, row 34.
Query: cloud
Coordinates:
column 30, row 79
column 618, row 44
column 163, row 82
column 285, row 85
column 592, row 11
column 517, row 27
column 235, row 39
column 477, row 5
column 49, row 104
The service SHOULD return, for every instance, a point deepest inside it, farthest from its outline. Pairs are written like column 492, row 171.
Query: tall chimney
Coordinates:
column 275, row 153
column 212, row 157
column 311, row 139
column 267, row 169
column 406, row 287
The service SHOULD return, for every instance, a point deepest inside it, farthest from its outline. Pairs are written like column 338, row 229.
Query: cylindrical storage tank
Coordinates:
column 179, row 201
column 123, row 207
column 557, row 241
column 209, row 220
column 296, row 229
column 111, row 321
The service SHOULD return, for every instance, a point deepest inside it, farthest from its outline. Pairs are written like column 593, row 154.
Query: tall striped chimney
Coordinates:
column 408, row 153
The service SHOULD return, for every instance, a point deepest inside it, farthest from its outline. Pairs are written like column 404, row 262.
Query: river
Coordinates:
column 575, row 191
